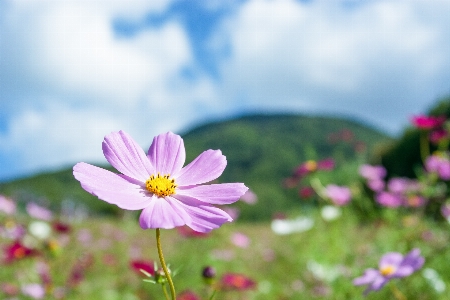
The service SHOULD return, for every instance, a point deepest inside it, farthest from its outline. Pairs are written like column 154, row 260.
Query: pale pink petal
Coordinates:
column 206, row 167
column 167, row 154
column 124, row 154
column 164, row 213
column 225, row 193
column 204, row 217
column 124, row 192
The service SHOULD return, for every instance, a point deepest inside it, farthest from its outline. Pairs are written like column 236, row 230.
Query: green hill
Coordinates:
column 261, row 151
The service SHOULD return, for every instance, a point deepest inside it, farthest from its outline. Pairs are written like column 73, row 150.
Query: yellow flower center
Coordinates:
column 311, row 165
column 161, row 186
column 388, row 270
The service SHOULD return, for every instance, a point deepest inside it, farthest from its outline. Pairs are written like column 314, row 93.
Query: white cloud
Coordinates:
column 327, row 57
column 66, row 78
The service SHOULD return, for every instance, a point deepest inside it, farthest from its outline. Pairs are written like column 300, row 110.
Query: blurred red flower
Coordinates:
column 146, row 265
column 233, row 281
column 17, row 251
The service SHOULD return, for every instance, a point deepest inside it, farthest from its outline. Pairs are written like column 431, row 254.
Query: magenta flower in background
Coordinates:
column 392, row 265
column 141, row 264
column 310, row 166
column 389, row 199
column 339, row 195
column 427, row 122
column 169, row 194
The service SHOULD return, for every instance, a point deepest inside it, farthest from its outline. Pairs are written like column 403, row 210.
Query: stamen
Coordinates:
column 161, row 185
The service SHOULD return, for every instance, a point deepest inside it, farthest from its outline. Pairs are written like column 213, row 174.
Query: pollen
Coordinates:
column 387, row 270
column 161, row 186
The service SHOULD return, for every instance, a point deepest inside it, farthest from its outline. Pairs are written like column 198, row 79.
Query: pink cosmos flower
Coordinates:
column 389, row 199
column 392, row 265
column 169, row 194
column 339, row 195
column 427, row 122
column 372, row 172
column 240, row 240
column 439, row 164
column 8, row 206
column 39, row 212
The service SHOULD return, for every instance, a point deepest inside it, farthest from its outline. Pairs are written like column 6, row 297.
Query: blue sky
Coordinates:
column 73, row 71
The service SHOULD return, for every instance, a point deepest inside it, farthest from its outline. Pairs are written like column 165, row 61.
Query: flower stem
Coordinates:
column 163, row 264
column 165, row 291
column 397, row 294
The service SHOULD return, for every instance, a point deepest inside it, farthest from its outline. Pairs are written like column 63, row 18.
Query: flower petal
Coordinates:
column 164, row 213
column 204, row 217
column 390, row 259
column 206, row 167
column 224, row 193
column 166, row 153
column 124, row 154
column 369, row 276
column 124, row 192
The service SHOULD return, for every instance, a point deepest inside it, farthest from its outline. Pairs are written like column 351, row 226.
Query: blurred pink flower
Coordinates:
column 389, row 199
column 188, row 295
column 376, row 185
column 39, row 212
column 372, row 172
column 415, row 201
column 436, row 136
column 306, row 192
column 398, row 185
column 427, row 122
column 339, row 195
column 240, row 240
column 439, row 164
column 249, row 197
column 7, row 205
column 168, row 194
column 33, row 290
column 445, row 210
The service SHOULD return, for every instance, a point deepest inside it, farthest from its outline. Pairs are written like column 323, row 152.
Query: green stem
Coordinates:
column 424, row 146
column 213, row 294
column 165, row 291
column 163, row 264
column 397, row 294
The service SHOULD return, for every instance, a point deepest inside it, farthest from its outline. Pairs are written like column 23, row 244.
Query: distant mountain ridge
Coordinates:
column 261, row 150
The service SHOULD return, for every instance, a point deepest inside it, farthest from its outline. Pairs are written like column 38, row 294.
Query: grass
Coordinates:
column 316, row 264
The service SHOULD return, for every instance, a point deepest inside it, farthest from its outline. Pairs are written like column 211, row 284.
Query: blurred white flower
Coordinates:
column 330, row 212
column 299, row 224
column 322, row 272
column 40, row 229
column 434, row 279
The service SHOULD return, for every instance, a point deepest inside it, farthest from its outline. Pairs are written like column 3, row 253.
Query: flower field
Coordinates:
column 358, row 232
